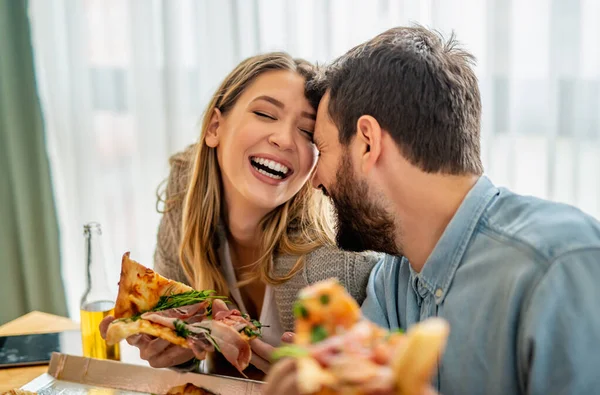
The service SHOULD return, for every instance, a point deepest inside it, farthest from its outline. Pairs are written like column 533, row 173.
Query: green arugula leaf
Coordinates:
column 394, row 332
column 317, row 334
column 300, row 311
column 289, row 351
column 172, row 301
column 180, row 329
column 257, row 324
column 251, row 332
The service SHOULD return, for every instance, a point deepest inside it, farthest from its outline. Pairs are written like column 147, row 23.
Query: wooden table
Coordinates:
column 34, row 322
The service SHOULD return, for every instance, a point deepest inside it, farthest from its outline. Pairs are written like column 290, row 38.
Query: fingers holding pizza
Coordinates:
column 104, row 325
column 171, row 323
column 158, row 352
column 262, row 352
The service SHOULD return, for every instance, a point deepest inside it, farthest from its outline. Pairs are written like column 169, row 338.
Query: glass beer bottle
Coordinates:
column 98, row 301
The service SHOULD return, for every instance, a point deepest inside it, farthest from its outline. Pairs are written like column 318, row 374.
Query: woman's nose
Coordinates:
column 283, row 138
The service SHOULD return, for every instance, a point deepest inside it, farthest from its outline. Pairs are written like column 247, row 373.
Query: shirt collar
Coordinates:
column 440, row 267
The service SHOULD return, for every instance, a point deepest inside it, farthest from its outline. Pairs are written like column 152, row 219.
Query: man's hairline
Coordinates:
column 327, row 93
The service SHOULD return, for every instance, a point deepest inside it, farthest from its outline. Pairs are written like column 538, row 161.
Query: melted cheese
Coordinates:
column 120, row 330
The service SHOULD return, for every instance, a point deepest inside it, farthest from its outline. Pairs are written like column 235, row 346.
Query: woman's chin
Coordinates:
column 265, row 201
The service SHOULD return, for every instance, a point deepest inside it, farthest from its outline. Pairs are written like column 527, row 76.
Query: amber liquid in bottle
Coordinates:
column 94, row 346
column 98, row 300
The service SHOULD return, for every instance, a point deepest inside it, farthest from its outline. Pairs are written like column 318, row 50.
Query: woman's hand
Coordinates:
column 288, row 337
column 104, row 325
column 158, row 352
column 261, row 354
column 261, row 351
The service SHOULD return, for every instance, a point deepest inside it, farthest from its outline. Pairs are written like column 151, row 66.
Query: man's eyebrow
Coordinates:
column 279, row 104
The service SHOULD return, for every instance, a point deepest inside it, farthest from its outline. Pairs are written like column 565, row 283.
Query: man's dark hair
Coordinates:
column 420, row 89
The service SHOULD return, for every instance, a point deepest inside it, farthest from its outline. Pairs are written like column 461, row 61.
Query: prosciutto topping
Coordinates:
column 232, row 317
column 200, row 344
column 224, row 330
column 189, row 314
column 233, row 347
column 203, row 335
column 359, row 358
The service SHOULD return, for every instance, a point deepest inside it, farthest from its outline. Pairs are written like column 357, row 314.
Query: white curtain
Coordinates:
column 124, row 83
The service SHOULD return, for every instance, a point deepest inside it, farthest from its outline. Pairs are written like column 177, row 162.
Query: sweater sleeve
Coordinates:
column 351, row 269
column 166, row 255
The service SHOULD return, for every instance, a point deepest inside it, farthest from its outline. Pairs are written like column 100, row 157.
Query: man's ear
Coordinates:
column 212, row 132
column 369, row 135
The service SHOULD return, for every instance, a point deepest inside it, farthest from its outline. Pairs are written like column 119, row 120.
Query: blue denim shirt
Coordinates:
column 518, row 279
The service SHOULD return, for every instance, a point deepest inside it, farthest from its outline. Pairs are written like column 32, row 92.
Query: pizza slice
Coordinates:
column 338, row 351
column 322, row 310
column 189, row 389
column 148, row 303
column 140, row 288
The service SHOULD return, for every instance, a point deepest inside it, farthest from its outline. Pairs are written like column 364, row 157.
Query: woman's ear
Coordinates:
column 369, row 141
column 212, row 132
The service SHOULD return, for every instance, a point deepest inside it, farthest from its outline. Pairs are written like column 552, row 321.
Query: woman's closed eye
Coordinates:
column 264, row 115
column 309, row 134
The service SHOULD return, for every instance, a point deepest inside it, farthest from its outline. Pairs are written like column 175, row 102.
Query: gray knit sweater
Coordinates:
column 351, row 269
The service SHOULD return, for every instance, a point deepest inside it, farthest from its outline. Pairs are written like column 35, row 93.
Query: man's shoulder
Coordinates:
column 547, row 229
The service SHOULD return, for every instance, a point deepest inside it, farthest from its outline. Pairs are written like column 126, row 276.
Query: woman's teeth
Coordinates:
column 269, row 168
column 271, row 165
column 261, row 171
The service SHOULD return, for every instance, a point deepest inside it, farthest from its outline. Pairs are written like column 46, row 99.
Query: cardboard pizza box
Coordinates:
column 69, row 374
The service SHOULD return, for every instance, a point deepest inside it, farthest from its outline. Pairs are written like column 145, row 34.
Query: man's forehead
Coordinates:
column 323, row 110
column 324, row 123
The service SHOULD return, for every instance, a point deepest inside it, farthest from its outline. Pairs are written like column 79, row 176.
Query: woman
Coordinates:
column 240, row 215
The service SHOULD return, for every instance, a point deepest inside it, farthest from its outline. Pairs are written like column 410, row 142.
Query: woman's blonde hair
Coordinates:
column 297, row 227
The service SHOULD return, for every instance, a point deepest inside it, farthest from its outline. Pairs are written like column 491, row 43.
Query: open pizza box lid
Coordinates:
column 69, row 374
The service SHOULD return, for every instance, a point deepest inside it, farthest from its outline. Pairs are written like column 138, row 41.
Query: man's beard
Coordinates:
column 362, row 223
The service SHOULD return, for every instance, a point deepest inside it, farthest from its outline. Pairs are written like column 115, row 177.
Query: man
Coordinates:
column 516, row 277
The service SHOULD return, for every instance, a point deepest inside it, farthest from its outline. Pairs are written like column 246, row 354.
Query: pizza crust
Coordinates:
column 415, row 362
column 119, row 330
column 140, row 288
column 188, row 389
column 327, row 305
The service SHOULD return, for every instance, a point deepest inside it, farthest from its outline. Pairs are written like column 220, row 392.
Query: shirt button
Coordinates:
column 439, row 293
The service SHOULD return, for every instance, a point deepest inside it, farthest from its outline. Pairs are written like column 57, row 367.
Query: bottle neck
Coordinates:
column 97, row 285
